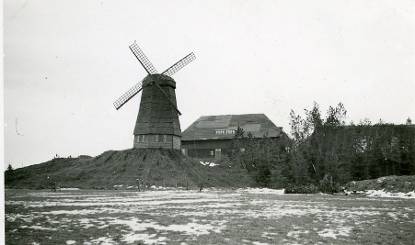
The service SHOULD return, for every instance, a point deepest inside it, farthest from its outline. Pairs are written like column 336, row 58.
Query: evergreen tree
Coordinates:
column 9, row 168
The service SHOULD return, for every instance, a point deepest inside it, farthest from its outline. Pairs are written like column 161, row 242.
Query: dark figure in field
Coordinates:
column 51, row 183
column 201, row 185
column 140, row 185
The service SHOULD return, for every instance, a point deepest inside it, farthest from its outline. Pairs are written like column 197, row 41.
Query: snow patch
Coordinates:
column 393, row 215
column 262, row 191
column 69, row 189
column 103, row 241
column 383, row 193
column 209, row 164
column 192, row 228
column 334, row 233
column 153, row 187
column 37, row 227
column 381, row 179
column 296, row 234
column 259, row 243
column 353, row 192
column 146, row 238
column 25, row 218
column 72, row 212
column 269, row 235
column 69, row 242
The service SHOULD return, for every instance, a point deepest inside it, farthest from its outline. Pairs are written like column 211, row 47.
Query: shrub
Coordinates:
column 301, row 189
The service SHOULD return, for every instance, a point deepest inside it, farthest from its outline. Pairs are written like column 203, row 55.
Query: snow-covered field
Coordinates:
column 245, row 216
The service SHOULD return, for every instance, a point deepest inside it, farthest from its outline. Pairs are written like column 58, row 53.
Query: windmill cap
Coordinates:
column 162, row 80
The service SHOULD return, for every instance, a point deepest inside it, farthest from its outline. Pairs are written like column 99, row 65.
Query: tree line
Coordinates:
column 325, row 152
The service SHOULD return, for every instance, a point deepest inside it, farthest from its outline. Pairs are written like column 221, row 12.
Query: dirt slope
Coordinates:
column 388, row 183
column 154, row 166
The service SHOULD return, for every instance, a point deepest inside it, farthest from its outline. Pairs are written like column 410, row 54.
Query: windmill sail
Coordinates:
column 180, row 64
column 127, row 95
column 145, row 62
column 157, row 125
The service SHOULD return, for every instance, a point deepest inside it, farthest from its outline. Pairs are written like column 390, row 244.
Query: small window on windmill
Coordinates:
column 157, row 137
column 164, row 138
column 212, row 153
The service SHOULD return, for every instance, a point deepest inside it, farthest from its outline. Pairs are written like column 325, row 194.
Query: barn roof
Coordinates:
column 224, row 126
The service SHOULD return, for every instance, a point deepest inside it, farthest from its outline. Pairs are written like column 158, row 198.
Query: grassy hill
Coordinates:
column 154, row 166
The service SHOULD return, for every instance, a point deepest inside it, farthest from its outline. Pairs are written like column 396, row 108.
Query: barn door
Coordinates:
column 218, row 153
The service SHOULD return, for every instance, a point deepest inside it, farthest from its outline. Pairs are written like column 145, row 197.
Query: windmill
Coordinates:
column 157, row 124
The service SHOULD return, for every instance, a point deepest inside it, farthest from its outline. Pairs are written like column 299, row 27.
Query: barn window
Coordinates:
column 224, row 131
column 212, row 153
column 157, row 138
column 230, row 131
column 220, row 131
column 164, row 138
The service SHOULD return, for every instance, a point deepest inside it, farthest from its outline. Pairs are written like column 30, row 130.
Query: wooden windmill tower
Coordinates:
column 157, row 124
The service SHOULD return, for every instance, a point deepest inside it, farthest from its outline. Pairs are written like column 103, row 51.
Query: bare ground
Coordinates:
column 247, row 216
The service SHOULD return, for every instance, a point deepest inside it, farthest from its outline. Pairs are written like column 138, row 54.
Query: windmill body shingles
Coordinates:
column 156, row 114
column 157, row 119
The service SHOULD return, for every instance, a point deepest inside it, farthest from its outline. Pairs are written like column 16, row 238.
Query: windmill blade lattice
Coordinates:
column 128, row 95
column 180, row 64
column 145, row 62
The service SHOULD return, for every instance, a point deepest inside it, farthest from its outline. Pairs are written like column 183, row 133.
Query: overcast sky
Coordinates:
column 67, row 61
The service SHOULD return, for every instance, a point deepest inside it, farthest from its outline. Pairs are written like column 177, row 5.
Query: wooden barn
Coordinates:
column 210, row 137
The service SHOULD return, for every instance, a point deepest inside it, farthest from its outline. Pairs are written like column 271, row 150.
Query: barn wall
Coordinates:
column 206, row 149
column 206, row 144
column 212, row 149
